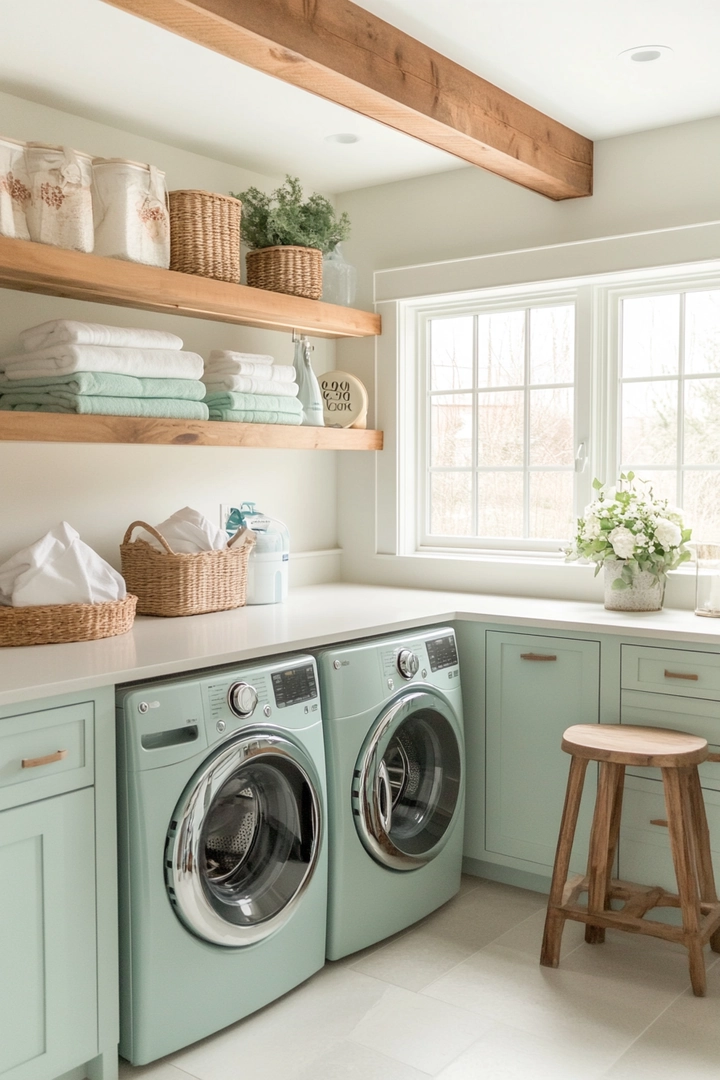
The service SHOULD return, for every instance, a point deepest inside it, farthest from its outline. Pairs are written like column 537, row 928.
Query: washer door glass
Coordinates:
column 408, row 781
column 244, row 840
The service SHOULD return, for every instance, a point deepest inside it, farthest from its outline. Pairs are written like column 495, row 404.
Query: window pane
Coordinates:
column 552, row 344
column 451, row 431
column 702, row 331
column 649, row 423
column 551, row 427
column 702, row 421
column 501, row 424
column 500, row 504
column 450, row 504
column 662, row 481
column 701, row 504
column 501, row 348
column 551, row 506
column 451, row 353
column 650, row 335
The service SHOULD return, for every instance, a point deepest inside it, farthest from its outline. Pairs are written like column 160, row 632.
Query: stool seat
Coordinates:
column 621, row 905
column 625, row 744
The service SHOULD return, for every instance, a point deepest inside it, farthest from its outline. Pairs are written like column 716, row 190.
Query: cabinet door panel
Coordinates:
column 536, row 686
column 48, row 989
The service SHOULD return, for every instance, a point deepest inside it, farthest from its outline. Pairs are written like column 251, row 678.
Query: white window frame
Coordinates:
column 597, row 299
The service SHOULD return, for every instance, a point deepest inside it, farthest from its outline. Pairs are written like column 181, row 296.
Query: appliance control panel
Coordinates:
column 294, row 685
column 442, row 652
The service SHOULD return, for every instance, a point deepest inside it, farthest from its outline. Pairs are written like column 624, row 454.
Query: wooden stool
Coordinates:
column 678, row 755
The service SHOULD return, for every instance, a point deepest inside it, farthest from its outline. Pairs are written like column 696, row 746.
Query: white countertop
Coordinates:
column 317, row 615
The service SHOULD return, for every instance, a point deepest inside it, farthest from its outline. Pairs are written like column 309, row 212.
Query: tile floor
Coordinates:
column 461, row 996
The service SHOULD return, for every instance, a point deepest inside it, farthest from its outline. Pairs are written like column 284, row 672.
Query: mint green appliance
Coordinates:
column 223, row 863
column 392, row 712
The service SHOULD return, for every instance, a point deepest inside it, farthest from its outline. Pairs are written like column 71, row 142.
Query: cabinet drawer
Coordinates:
column 671, row 671
column 45, row 753
column 661, row 710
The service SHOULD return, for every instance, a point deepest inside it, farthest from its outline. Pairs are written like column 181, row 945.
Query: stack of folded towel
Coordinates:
column 250, row 389
column 74, row 367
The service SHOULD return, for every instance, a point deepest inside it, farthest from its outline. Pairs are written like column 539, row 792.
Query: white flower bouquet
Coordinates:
column 631, row 526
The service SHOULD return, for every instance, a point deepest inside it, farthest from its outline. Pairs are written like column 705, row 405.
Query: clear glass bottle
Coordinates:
column 707, row 580
column 339, row 279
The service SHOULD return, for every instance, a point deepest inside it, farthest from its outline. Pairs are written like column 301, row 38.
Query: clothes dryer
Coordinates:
column 223, row 863
column 392, row 713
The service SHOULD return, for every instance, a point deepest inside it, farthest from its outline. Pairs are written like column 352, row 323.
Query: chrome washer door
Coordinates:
column 407, row 781
column 244, row 840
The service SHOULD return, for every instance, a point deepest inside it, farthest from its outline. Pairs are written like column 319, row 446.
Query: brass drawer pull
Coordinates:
column 713, row 757
column 680, row 675
column 33, row 762
column 536, row 656
column 659, row 821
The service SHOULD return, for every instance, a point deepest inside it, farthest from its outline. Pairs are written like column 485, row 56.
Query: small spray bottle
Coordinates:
column 309, row 393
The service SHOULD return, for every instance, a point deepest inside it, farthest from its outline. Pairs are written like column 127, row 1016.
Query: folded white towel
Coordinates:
column 247, row 384
column 269, row 372
column 59, row 569
column 228, row 354
column 65, row 359
column 187, row 531
column 69, row 332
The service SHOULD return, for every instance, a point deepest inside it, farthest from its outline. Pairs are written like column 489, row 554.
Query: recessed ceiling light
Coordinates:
column 343, row 137
column 645, row 54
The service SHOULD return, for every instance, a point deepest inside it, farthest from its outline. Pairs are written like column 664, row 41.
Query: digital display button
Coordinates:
column 442, row 652
column 294, row 685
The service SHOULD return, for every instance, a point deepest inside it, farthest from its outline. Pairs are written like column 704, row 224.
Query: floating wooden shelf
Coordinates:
column 55, row 271
column 64, row 427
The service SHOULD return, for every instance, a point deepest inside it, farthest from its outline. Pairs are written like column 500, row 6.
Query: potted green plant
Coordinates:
column 288, row 235
column 637, row 538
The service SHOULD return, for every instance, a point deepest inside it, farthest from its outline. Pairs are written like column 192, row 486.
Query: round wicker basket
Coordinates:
column 52, row 624
column 205, row 234
column 296, row 271
column 170, row 584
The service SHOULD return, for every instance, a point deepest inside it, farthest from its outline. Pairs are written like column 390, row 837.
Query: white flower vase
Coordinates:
column 646, row 592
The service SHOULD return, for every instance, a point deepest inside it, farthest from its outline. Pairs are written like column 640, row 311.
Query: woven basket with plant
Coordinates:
column 288, row 236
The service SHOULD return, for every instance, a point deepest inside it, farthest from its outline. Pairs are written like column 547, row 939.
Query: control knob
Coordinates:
column 407, row 663
column 242, row 699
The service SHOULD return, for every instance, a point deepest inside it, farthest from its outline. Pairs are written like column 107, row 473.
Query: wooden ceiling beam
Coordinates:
column 341, row 52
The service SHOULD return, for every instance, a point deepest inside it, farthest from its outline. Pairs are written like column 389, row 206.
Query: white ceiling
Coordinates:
column 561, row 56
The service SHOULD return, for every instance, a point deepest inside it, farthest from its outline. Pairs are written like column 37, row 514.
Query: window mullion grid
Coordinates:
column 526, row 429
column 427, row 433
column 474, row 522
column 680, row 452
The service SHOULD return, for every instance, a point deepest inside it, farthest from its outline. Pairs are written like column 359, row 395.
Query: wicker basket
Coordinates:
column 205, row 234
column 51, row 624
column 286, row 269
column 170, row 584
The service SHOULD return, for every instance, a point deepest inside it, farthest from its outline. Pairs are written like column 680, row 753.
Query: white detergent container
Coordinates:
column 267, row 581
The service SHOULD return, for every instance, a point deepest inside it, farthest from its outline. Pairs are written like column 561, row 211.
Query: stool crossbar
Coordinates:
column 677, row 754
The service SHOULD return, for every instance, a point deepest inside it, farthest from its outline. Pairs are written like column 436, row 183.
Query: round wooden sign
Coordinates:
column 345, row 400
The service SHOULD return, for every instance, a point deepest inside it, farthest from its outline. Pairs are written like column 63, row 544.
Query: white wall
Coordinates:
column 654, row 180
column 100, row 489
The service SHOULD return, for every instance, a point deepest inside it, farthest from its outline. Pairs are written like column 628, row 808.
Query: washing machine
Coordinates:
column 392, row 713
column 223, row 854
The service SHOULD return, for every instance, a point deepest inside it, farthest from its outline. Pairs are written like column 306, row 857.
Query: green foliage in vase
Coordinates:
column 285, row 217
column 631, row 526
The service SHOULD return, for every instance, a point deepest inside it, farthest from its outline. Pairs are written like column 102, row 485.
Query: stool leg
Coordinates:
column 677, row 799
column 555, row 919
column 603, row 843
column 703, row 856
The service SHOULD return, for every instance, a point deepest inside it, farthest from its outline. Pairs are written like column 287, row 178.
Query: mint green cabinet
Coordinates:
column 48, row 992
column 535, row 687
column 58, row 894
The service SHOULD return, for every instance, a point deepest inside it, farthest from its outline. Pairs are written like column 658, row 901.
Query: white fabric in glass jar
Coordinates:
column 60, row 210
column 131, row 216
column 14, row 189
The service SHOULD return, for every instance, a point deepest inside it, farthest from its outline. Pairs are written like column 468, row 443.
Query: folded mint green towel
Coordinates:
column 265, row 403
column 256, row 416
column 167, row 408
column 107, row 384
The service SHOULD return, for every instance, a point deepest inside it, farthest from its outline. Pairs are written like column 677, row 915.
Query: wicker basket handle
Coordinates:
column 245, row 536
column 150, row 529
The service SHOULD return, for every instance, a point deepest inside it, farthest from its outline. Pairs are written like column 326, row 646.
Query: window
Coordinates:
column 523, row 395
column 669, row 399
